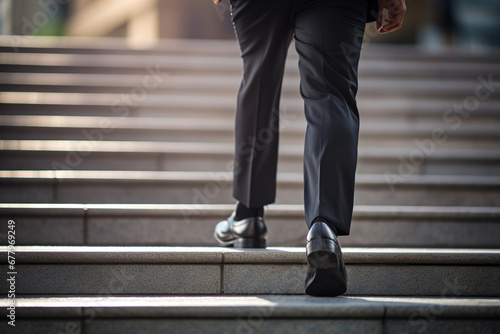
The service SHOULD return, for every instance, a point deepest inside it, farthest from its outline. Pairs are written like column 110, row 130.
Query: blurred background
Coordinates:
column 432, row 24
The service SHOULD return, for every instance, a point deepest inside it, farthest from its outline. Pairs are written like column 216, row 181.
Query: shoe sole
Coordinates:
column 250, row 243
column 327, row 280
column 243, row 242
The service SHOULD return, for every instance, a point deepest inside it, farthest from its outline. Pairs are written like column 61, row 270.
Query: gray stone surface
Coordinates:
column 17, row 160
column 258, row 314
column 408, row 280
column 292, row 232
column 426, row 324
column 423, row 280
column 438, row 256
column 453, row 306
column 151, row 187
column 372, row 271
column 150, row 156
column 97, row 83
column 68, row 45
column 275, row 211
column 127, row 191
column 41, row 209
column 269, row 306
column 271, row 255
column 46, row 310
column 274, row 279
column 210, row 130
column 117, row 254
column 37, row 326
column 462, row 168
column 221, row 306
column 173, row 225
column 251, row 325
column 290, row 314
column 46, row 230
column 423, row 232
column 192, row 231
column 106, row 279
column 451, row 213
column 26, row 191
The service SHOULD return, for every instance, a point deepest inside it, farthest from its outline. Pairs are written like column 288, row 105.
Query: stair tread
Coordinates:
column 369, row 106
column 222, row 176
column 392, row 105
column 227, row 84
column 271, row 306
column 109, row 44
column 272, row 255
column 204, row 148
column 211, row 124
column 215, row 270
column 211, row 46
column 275, row 210
column 231, row 62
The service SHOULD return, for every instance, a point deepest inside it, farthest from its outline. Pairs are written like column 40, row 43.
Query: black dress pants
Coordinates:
column 328, row 36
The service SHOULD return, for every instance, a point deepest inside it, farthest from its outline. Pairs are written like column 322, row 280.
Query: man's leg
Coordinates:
column 264, row 31
column 328, row 38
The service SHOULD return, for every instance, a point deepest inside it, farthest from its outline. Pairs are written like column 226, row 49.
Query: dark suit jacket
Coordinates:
column 372, row 10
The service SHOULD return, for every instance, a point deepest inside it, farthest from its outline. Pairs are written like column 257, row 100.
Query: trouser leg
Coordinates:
column 328, row 38
column 264, row 32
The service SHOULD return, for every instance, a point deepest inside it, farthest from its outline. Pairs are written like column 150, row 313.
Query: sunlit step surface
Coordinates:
column 292, row 131
column 192, row 156
column 110, row 45
column 123, row 63
column 77, row 186
column 214, row 270
column 227, row 85
column 258, row 314
column 184, row 224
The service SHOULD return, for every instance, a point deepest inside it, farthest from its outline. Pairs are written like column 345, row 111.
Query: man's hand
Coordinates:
column 397, row 10
column 216, row 2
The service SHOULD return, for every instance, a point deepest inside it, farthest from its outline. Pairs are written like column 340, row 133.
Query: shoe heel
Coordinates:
column 322, row 254
column 250, row 243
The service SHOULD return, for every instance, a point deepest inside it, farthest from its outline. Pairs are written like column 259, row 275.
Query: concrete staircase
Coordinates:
column 115, row 165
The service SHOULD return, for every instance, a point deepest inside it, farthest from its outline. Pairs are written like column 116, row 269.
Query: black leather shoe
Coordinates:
column 246, row 233
column 326, row 272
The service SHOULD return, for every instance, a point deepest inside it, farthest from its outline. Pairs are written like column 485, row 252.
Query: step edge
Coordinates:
column 271, row 306
column 220, row 211
column 72, row 255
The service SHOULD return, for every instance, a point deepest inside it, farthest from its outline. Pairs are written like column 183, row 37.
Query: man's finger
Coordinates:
column 392, row 24
column 391, row 28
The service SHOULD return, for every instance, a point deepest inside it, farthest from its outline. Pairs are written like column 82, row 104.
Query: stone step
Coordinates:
column 174, row 225
column 198, row 156
column 227, row 85
column 254, row 314
column 65, row 270
column 114, row 46
column 292, row 130
column 409, row 109
column 111, row 45
column 122, row 63
column 76, row 186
